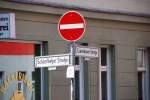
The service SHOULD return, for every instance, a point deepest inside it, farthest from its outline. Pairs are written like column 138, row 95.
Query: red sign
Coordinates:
column 71, row 26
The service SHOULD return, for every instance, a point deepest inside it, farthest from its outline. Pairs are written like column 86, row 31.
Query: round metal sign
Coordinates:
column 71, row 26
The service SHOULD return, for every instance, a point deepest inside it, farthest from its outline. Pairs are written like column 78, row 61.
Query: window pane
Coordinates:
column 140, row 54
column 37, row 74
column 77, row 87
column 104, row 56
column 140, row 96
column 104, row 86
column 76, row 60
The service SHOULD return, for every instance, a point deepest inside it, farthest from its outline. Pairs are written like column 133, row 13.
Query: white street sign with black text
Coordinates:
column 83, row 51
column 52, row 60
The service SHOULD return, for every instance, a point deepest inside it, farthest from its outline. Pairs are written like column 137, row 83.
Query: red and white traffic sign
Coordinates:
column 71, row 26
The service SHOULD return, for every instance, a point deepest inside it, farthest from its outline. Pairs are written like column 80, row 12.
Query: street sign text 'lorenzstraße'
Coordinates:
column 52, row 60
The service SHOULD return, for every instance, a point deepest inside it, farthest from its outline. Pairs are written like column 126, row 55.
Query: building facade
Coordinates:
column 121, row 29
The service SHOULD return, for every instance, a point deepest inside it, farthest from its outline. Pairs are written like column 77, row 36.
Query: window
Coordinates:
column 104, row 85
column 143, row 78
column 105, row 78
column 104, row 57
column 105, row 75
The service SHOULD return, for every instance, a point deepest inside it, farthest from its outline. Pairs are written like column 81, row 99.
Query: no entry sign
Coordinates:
column 71, row 26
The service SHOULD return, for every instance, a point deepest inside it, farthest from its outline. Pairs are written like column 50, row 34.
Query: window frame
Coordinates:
column 106, row 69
column 144, row 70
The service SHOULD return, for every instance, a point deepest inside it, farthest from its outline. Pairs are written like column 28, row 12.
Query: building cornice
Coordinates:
column 86, row 8
column 88, row 13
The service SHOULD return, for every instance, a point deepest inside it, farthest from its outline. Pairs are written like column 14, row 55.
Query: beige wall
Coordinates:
column 124, row 35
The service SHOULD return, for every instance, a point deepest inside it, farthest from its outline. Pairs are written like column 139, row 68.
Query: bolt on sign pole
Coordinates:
column 71, row 27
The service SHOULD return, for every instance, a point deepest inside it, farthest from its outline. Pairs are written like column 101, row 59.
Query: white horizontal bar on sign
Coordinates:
column 71, row 26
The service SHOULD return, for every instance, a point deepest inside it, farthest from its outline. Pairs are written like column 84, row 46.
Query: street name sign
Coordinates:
column 83, row 51
column 52, row 60
column 71, row 26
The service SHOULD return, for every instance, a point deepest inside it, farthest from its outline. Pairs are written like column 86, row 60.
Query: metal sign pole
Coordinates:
column 72, row 49
column 42, row 76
